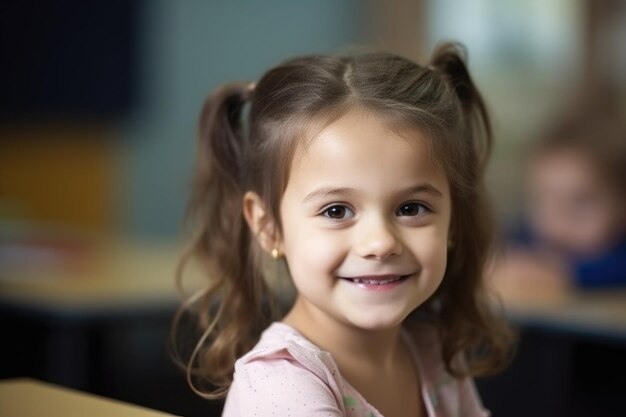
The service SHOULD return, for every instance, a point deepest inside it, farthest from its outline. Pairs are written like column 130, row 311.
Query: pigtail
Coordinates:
column 224, row 316
column 449, row 60
column 467, row 324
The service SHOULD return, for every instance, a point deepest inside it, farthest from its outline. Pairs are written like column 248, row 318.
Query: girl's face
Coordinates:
column 570, row 206
column 365, row 220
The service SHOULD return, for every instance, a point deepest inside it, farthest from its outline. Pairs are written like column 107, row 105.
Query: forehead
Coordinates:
column 566, row 166
column 360, row 149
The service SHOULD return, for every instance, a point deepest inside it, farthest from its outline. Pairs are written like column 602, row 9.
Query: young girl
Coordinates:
column 362, row 175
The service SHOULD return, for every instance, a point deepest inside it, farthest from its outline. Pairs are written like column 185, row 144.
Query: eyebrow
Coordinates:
column 424, row 188
column 324, row 192
column 327, row 192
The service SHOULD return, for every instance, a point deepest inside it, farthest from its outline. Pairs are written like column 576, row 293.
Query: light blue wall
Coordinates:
column 187, row 48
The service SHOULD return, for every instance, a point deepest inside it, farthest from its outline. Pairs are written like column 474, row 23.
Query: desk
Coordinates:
column 31, row 398
column 596, row 313
column 111, row 277
column 591, row 313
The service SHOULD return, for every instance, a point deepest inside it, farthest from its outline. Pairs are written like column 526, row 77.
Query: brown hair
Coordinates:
column 289, row 104
column 601, row 138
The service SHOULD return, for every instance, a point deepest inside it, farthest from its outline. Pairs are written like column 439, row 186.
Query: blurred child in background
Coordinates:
column 574, row 233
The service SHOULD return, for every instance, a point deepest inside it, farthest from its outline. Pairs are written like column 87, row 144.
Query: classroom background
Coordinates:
column 98, row 109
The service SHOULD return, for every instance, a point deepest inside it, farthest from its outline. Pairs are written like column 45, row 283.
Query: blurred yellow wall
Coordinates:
column 58, row 176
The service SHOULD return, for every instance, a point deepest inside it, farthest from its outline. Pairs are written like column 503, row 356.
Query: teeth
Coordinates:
column 375, row 281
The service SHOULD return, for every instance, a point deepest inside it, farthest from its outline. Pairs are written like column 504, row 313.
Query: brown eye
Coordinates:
column 338, row 212
column 412, row 209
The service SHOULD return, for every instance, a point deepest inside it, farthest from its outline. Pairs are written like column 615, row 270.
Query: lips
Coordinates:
column 383, row 283
column 376, row 279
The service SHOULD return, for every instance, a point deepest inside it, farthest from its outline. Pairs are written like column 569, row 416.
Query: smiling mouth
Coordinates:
column 377, row 280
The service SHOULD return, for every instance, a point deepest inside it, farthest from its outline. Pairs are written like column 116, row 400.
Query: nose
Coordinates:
column 378, row 240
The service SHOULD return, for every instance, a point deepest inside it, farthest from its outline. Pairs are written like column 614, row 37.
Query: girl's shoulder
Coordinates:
column 281, row 342
column 285, row 374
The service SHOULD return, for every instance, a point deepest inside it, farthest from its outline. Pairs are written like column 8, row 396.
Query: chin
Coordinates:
column 377, row 322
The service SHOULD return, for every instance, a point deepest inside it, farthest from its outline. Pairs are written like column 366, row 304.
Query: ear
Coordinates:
column 260, row 222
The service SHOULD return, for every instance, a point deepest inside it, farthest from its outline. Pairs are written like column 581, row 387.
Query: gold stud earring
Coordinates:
column 450, row 243
column 275, row 253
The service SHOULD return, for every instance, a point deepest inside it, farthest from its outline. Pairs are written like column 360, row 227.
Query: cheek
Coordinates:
column 436, row 259
column 598, row 228
column 431, row 251
column 310, row 251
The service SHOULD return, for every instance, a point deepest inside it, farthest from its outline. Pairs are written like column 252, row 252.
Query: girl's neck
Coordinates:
column 375, row 363
column 348, row 344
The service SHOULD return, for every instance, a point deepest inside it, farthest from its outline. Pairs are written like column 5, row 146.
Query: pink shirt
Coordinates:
column 287, row 375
